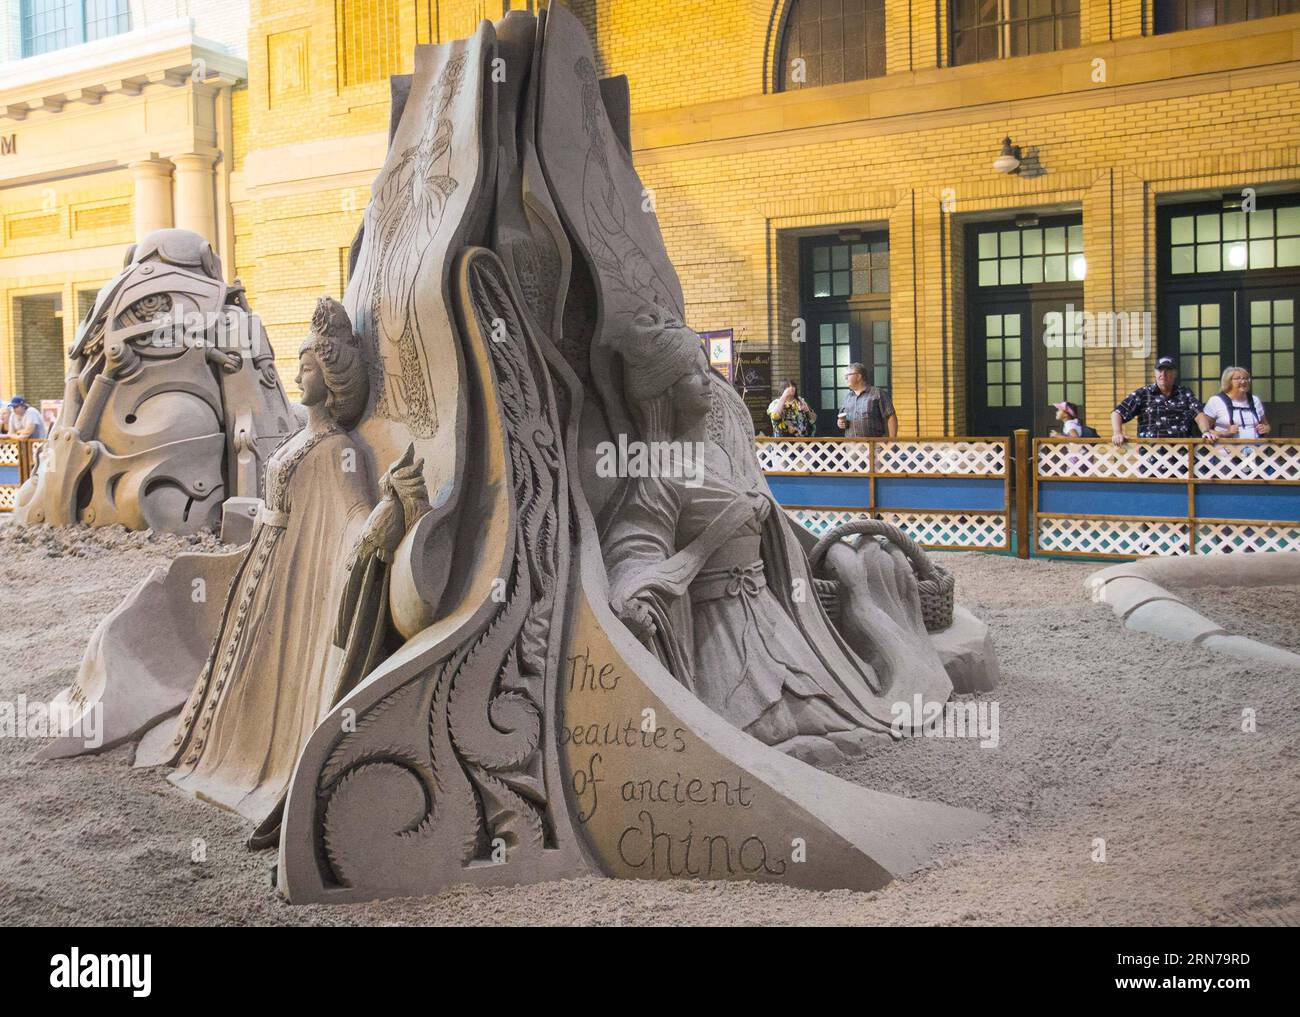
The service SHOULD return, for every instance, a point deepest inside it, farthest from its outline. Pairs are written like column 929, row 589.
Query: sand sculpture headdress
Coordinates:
column 657, row 351
column 331, row 339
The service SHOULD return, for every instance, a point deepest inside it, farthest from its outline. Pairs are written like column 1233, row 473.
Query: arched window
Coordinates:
column 826, row 42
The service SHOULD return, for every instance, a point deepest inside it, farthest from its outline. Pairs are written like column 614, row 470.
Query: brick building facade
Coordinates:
column 823, row 174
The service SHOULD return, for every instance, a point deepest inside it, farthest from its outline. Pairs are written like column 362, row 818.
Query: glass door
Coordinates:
column 1266, row 348
column 1001, row 372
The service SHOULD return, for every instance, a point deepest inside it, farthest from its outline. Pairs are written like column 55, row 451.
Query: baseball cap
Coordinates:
column 1165, row 362
column 1067, row 407
column 17, row 401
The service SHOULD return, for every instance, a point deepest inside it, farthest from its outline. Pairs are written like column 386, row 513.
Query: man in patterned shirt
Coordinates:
column 1164, row 410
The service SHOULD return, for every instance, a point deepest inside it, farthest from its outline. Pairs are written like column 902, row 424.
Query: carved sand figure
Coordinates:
column 687, row 573
column 510, row 737
column 274, row 669
column 171, row 404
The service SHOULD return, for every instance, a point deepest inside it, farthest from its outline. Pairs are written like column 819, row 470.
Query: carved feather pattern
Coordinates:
column 475, row 774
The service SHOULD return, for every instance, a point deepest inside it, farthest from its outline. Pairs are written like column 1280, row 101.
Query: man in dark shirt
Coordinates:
column 1164, row 410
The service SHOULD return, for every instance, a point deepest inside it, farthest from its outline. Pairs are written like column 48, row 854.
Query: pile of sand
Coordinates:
column 1105, row 734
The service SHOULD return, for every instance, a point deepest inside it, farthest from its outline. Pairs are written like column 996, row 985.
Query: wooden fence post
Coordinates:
column 1022, row 492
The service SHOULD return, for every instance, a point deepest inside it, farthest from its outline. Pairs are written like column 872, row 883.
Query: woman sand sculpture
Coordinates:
column 280, row 662
column 701, row 571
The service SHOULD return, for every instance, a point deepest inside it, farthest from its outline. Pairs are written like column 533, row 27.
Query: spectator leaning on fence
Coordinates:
column 1235, row 412
column 868, row 412
column 791, row 416
column 1164, row 409
column 25, row 421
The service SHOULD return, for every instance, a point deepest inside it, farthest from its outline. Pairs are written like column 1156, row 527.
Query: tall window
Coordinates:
column 50, row 25
column 1176, row 15
column 991, row 29
column 831, row 41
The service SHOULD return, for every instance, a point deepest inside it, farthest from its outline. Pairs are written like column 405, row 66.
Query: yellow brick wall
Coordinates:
column 62, row 237
column 738, row 172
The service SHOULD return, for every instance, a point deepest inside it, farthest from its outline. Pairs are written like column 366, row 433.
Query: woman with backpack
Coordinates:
column 1236, row 411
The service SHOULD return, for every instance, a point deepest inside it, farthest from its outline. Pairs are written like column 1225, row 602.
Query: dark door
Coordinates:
column 1001, row 368
column 1266, row 347
column 1229, row 283
column 1025, row 293
column 844, row 301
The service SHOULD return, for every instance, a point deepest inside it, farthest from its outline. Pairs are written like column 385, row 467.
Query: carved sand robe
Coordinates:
column 172, row 404
column 275, row 669
column 523, row 731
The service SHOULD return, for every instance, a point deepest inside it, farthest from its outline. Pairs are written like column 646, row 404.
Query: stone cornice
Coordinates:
column 1193, row 62
column 164, row 54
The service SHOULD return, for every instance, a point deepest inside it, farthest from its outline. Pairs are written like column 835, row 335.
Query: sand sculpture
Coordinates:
column 172, row 402
column 548, row 668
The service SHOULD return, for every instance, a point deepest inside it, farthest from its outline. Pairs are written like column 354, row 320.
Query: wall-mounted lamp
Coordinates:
column 1027, row 219
column 1009, row 160
column 850, row 236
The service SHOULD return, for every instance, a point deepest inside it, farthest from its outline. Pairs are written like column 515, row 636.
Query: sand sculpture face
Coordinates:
column 512, row 315
column 172, row 403
column 310, row 380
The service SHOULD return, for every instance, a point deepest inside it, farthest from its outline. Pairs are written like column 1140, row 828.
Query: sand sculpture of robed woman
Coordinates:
column 304, row 617
column 701, row 569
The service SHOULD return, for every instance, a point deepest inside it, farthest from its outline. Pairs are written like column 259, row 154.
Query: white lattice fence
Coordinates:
column 920, row 458
column 1226, row 538
column 818, row 521
column 1130, row 461
column 814, row 456
column 10, row 453
column 951, row 529
column 1265, row 461
column 1127, row 537
column 939, row 529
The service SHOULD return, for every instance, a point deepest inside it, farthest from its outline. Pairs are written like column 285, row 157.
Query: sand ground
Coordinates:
column 1103, row 733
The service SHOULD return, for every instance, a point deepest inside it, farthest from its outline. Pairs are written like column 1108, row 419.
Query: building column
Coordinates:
column 196, row 196
column 153, row 196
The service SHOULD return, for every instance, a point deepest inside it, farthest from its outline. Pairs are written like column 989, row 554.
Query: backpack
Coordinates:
column 1237, row 414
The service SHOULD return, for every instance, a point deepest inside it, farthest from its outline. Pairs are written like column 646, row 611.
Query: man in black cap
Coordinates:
column 1164, row 409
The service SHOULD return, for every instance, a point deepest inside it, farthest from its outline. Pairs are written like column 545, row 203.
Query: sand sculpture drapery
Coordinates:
column 171, row 405
column 279, row 661
column 523, row 731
